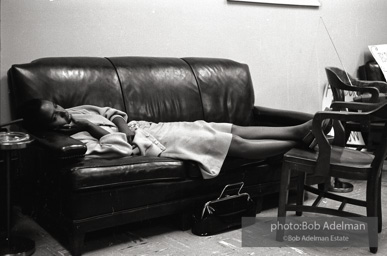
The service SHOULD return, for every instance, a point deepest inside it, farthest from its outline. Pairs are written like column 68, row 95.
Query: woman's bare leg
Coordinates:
column 258, row 149
column 296, row 132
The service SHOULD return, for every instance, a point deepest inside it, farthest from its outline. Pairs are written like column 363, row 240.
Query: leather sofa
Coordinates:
column 78, row 194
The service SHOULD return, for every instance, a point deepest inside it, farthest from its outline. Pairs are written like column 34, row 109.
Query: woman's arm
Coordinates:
column 111, row 145
column 118, row 117
column 122, row 126
column 96, row 131
column 85, row 125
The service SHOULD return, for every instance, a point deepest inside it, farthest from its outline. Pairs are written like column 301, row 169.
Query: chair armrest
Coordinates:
column 354, row 106
column 278, row 117
column 372, row 90
column 380, row 85
column 340, row 138
column 323, row 160
column 366, row 97
column 60, row 145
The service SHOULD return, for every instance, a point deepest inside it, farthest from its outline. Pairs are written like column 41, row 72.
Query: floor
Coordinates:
column 162, row 237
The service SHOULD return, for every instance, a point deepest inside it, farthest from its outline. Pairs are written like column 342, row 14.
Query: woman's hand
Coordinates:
column 76, row 125
column 129, row 138
column 80, row 125
column 122, row 126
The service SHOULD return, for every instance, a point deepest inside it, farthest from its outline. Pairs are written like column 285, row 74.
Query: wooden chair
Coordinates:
column 365, row 91
column 342, row 83
column 337, row 161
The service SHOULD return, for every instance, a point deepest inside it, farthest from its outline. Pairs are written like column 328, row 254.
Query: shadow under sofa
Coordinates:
column 78, row 194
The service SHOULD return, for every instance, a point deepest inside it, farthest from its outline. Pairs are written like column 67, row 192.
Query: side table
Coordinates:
column 13, row 245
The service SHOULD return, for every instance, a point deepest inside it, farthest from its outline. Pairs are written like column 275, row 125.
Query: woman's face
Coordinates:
column 54, row 115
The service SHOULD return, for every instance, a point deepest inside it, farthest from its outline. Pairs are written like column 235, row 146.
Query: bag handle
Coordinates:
column 207, row 206
column 239, row 184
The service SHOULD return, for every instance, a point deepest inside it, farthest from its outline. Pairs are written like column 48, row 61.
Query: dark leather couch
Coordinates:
column 80, row 195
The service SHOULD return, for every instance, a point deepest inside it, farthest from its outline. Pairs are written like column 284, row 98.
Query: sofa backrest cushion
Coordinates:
column 158, row 89
column 147, row 88
column 226, row 89
column 67, row 81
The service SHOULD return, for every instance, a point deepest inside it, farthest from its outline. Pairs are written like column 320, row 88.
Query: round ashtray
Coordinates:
column 13, row 137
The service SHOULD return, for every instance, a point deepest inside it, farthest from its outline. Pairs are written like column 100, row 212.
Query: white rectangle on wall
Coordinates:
column 287, row 2
column 379, row 52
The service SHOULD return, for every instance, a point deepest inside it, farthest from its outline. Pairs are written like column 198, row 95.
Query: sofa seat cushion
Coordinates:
column 94, row 173
column 104, row 173
column 105, row 201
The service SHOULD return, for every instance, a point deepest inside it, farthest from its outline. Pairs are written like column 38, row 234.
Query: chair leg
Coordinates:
column 372, row 199
column 283, row 200
column 380, row 215
column 300, row 191
column 325, row 185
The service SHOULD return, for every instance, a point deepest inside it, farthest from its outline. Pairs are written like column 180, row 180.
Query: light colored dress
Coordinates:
column 199, row 141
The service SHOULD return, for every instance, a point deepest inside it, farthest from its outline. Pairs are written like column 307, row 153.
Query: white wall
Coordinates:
column 286, row 47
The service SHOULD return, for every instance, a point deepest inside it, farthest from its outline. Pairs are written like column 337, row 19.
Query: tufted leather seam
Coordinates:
column 119, row 81
column 145, row 160
column 131, row 182
column 71, row 157
column 197, row 84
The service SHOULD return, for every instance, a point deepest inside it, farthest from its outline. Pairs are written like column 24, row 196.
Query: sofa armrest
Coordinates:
column 61, row 145
column 278, row 117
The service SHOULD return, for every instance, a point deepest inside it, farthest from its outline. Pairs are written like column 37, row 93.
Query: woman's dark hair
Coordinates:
column 33, row 119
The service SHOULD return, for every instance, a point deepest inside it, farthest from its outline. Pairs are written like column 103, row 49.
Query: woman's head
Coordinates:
column 44, row 115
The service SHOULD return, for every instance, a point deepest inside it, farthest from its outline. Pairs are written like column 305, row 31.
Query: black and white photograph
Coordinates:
column 193, row 127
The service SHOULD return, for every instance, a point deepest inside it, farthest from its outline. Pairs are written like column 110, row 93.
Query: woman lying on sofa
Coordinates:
column 106, row 133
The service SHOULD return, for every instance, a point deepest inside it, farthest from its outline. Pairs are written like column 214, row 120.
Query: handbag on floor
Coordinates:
column 224, row 213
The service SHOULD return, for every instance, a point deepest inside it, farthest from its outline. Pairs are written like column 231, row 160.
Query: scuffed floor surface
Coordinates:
column 162, row 237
